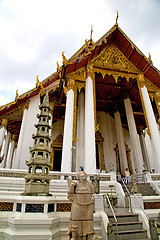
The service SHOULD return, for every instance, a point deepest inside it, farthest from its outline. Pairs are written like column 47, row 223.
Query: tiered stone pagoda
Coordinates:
column 37, row 179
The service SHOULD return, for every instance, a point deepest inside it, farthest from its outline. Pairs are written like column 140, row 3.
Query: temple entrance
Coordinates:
column 99, row 152
column 128, row 153
column 56, row 154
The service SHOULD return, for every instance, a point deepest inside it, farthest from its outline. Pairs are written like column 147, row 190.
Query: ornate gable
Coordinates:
column 112, row 58
column 57, row 142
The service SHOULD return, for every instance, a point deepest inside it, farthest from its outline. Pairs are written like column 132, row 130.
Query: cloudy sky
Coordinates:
column 35, row 32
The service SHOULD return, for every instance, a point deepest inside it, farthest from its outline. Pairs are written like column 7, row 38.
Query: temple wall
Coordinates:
column 52, row 84
column 27, row 129
column 57, row 128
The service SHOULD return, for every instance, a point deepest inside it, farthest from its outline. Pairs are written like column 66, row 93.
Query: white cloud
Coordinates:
column 3, row 100
column 34, row 33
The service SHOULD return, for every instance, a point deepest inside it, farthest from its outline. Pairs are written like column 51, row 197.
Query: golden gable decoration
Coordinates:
column 57, row 142
column 16, row 114
column 112, row 58
column 80, row 75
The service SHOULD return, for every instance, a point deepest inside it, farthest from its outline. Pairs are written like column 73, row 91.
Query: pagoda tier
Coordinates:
column 37, row 179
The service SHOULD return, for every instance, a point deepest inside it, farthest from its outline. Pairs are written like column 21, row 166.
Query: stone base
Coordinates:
column 36, row 189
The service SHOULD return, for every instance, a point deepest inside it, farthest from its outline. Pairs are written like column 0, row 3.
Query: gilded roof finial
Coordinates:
column 86, row 46
column 42, row 88
column 91, row 32
column 37, row 81
column 58, row 67
column 17, row 95
column 149, row 58
column 64, row 58
column 117, row 18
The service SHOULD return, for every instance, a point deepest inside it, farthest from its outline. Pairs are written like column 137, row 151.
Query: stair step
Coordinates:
column 128, row 226
column 133, row 234
column 124, row 218
column 144, row 188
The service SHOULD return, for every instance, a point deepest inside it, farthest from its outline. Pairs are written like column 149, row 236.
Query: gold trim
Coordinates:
column 157, row 100
column 74, row 114
column 89, row 70
column 64, row 59
column 17, row 113
column 115, row 74
column 111, row 57
column 128, row 153
column 117, row 159
column 4, row 122
column 17, row 95
column 99, row 142
column 77, row 75
column 80, row 85
column 94, row 99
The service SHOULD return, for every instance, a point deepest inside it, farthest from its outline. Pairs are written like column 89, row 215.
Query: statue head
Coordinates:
column 81, row 176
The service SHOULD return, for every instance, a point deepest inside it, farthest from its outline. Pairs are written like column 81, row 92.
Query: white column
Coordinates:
column 147, row 166
column 66, row 165
column 16, row 163
column 11, row 152
column 5, row 150
column 25, row 140
column 2, row 132
column 80, row 132
column 155, row 138
column 134, row 136
column 121, row 143
column 90, row 152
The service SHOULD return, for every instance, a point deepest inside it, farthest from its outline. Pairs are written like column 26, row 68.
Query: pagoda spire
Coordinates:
column 37, row 179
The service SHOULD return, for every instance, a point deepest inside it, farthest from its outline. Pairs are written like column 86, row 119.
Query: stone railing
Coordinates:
column 17, row 173
column 155, row 176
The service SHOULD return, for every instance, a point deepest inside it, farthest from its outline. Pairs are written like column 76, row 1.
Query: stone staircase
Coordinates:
column 128, row 226
column 144, row 188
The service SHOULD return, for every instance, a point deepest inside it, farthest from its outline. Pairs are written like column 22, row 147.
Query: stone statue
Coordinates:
column 110, row 232
column 81, row 218
column 134, row 189
column 95, row 183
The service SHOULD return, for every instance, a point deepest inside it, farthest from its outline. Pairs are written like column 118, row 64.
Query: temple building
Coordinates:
column 105, row 111
column 99, row 112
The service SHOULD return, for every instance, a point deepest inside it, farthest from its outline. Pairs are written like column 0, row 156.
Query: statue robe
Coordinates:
column 81, row 218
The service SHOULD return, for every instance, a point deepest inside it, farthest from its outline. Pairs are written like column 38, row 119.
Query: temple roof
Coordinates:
column 115, row 36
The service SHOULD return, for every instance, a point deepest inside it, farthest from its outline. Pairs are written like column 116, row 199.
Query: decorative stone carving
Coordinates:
column 37, row 179
column 81, row 218
column 111, row 57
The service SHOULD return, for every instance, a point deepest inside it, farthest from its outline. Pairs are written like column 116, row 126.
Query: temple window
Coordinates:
column 43, row 129
column 38, row 169
column 41, row 140
column 33, row 154
column 30, row 169
column 40, row 154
